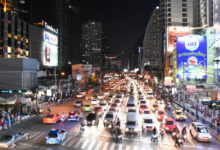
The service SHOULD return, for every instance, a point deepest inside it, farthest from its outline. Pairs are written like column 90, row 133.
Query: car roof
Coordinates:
column 131, row 117
column 169, row 119
column 178, row 111
column 198, row 123
column 109, row 112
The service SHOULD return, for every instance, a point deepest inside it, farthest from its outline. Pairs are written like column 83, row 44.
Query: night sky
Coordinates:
column 124, row 21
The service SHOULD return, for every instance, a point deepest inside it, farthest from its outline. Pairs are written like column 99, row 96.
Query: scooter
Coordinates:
column 119, row 138
column 154, row 138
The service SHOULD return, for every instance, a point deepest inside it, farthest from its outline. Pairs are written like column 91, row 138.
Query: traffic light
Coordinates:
column 19, row 91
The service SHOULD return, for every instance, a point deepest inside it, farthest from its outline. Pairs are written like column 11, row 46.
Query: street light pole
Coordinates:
column 183, row 87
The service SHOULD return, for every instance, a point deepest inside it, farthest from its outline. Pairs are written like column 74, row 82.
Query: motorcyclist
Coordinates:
column 162, row 130
column 118, row 133
column 184, row 130
column 118, row 123
column 82, row 124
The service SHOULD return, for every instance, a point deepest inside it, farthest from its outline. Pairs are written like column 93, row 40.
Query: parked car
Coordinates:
column 200, row 132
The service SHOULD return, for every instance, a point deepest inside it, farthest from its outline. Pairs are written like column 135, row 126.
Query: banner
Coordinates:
column 192, row 57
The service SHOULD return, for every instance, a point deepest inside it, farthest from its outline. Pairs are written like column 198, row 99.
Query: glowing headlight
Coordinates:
column 126, row 129
column 93, row 122
column 135, row 130
column 167, row 128
column 105, row 121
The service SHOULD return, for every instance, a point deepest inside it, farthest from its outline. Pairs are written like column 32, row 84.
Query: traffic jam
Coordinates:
column 126, row 109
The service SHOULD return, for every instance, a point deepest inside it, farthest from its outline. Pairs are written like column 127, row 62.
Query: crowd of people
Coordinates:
column 7, row 119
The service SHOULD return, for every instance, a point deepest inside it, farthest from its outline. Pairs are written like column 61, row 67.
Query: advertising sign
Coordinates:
column 192, row 57
column 168, row 81
column 174, row 32
column 50, row 50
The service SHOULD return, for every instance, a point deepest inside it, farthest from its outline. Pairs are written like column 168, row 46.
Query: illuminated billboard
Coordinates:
column 173, row 33
column 192, row 57
column 50, row 50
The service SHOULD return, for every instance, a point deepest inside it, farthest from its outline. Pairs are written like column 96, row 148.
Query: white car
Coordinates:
column 95, row 102
column 200, row 132
column 106, row 93
column 142, row 102
column 8, row 140
column 100, row 96
column 104, row 105
column 150, row 95
column 148, row 123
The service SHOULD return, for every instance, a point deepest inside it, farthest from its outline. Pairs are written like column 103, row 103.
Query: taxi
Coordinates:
column 51, row 118
column 142, row 108
column 160, row 115
column 87, row 107
column 155, row 107
column 179, row 115
column 56, row 136
column 170, row 125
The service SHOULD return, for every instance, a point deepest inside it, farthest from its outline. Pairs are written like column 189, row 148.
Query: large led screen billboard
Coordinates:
column 192, row 57
column 50, row 50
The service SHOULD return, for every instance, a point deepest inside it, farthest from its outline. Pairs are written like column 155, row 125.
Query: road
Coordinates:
column 97, row 137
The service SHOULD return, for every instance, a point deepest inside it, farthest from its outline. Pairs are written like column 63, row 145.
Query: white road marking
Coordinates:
column 112, row 146
column 135, row 148
column 105, row 146
column 91, row 145
column 128, row 147
column 38, row 136
column 67, row 140
column 120, row 147
column 72, row 142
column 84, row 144
column 78, row 143
column 98, row 145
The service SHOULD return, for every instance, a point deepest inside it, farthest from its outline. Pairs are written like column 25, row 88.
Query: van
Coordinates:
column 131, row 124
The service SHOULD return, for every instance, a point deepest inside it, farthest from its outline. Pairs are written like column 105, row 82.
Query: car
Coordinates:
column 110, row 118
column 100, row 96
column 95, row 102
column 109, row 100
column 98, row 110
column 92, row 119
column 155, row 107
column 160, row 115
column 51, row 118
column 104, row 105
column 142, row 102
column 179, row 115
column 132, row 111
column 160, row 101
column 113, row 110
column 8, row 140
column 142, row 108
column 117, row 101
column 150, row 95
column 79, row 104
column 119, row 97
column 146, row 112
column 131, row 124
column 130, row 105
column 87, row 107
column 114, row 106
column 170, row 125
column 106, row 93
column 75, row 115
column 140, row 97
column 80, row 95
column 200, row 132
column 56, row 136
column 148, row 123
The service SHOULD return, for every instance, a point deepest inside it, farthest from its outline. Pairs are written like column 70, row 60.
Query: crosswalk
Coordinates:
column 88, row 141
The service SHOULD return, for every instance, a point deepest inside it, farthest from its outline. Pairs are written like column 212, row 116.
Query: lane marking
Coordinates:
column 112, row 146
column 120, row 147
column 98, row 145
column 67, row 140
column 84, row 144
column 128, row 147
column 38, row 136
column 105, row 146
column 91, row 145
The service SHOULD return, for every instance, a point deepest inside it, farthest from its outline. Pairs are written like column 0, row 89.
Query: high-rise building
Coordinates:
column 206, row 13
column 152, row 43
column 91, row 42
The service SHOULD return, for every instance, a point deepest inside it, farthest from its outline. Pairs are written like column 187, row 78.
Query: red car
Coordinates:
column 51, row 118
column 160, row 115
column 170, row 125
column 142, row 108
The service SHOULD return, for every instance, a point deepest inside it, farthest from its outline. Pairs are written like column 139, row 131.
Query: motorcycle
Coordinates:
column 119, row 138
column 154, row 138
column 179, row 142
column 63, row 118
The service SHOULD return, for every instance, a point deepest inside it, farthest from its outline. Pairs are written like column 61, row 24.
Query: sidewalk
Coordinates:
column 191, row 113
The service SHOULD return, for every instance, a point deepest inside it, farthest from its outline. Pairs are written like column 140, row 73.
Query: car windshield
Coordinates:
column 109, row 116
column 131, row 123
column 87, row 105
column 169, row 122
column 202, row 130
column 161, row 113
column 179, row 113
column 131, row 110
column 155, row 105
column 72, row 113
column 130, row 105
column 143, row 106
column 116, row 101
column 78, row 102
column 97, row 108
column 146, row 112
column 52, row 135
column 148, row 121
column 143, row 102
column 112, row 110
column 6, row 137
column 114, row 105
column 118, row 96
column 150, row 93
column 49, row 116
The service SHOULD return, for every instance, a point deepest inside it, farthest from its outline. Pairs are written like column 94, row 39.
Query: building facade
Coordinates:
column 206, row 13
column 91, row 42
column 152, row 44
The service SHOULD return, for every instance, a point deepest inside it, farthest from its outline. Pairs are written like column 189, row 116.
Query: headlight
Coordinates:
column 105, row 121
column 93, row 122
column 135, row 130
column 167, row 128
column 126, row 129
